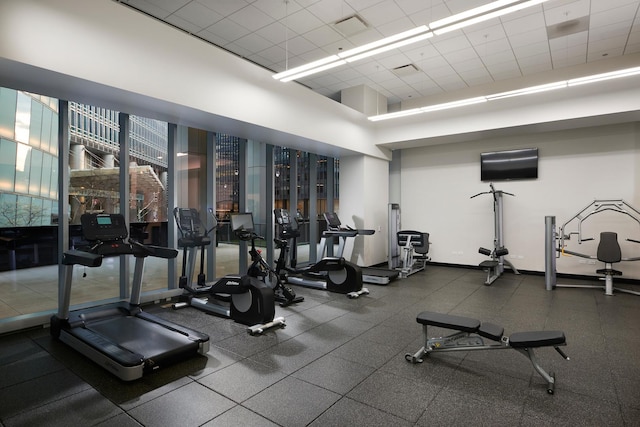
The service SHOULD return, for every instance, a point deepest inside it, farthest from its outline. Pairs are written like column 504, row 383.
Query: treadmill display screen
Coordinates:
column 104, row 220
column 332, row 219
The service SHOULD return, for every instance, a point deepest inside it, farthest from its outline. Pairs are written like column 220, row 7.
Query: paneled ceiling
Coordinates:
column 282, row 34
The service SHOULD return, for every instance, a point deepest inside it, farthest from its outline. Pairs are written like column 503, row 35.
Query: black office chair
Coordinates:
column 609, row 253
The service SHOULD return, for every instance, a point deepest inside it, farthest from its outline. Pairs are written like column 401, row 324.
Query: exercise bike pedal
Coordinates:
column 179, row 305
column 356, row 294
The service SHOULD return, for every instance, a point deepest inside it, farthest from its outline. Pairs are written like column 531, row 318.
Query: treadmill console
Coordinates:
column 288, row 228
column 282, row 217
column 188, row 221
column 333, row 222
column 104, row 227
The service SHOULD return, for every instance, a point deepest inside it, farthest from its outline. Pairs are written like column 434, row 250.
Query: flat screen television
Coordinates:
column 509, row 165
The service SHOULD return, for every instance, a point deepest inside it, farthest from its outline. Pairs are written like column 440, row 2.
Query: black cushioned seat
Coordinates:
column 449, row 321
column 489, row 264
column 491, row 331
column 536, row 339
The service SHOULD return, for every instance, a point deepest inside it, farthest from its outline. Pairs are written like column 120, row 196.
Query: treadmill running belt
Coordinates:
column 149, row 339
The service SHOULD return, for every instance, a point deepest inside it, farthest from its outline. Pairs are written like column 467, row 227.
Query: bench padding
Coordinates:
column 536, row 339
column 491, row 331
column 489, row 264
column 449, row 321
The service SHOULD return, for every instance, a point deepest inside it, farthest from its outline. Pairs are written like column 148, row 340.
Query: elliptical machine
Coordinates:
column 495, row 266
column 334, row 274
column 242, row 226
column 244, row 299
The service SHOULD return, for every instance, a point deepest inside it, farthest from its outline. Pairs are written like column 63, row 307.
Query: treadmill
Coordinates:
column 120, row 337
column 373, row 275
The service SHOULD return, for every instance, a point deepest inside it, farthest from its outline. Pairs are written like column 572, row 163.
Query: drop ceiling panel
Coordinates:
column 524, row 24
column 277, row 10
column 558, row 12
column 169, row 6
column 251, row 18
column 382, row 13
column 225, row 7
column 278, row 35
column 330, row 11
column 228, row 29
column 199, row 15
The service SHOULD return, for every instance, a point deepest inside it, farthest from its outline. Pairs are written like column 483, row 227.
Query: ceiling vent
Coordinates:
column 567, row 28
column 405, row 70
column 350, row 26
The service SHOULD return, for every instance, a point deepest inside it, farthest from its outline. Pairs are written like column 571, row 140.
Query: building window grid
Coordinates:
column 99, row 125
column 35, row 204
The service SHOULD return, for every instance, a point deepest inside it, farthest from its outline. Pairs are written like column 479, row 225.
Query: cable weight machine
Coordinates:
column 495, row 266
column 608, row 251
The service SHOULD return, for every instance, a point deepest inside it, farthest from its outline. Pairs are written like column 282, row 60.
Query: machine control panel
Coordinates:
column 104, row 227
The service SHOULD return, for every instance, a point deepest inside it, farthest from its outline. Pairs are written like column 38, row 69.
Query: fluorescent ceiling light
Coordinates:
column 396, row 114
column 388, row 43
column 454, row 22
column 389, row 47
column 627, row 72
column 430, row 108
column 604, row 76
column 484, row 13
column 382, row 42
column 305, row 67
column 454, row 104
column 467, row 14
column 313, row 71
column 528, row 90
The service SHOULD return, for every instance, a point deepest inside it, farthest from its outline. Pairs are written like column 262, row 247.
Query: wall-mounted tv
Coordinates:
column 509, row 165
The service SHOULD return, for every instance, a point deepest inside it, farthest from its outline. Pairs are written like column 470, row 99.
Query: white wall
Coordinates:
column 101, row 53
column 364, row 195
column 575, row 168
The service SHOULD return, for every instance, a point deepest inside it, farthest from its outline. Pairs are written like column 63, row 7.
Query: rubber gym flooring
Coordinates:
column 340, row 362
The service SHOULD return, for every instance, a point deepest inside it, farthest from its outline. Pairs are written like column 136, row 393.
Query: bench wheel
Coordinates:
column 552, row 385
column 412, row 358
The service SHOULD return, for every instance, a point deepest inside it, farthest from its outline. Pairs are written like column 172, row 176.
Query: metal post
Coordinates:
column 394, row 227
column 550, row 252
column 499, row 242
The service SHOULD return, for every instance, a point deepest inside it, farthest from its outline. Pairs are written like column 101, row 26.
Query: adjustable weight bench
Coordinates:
column 471, row 334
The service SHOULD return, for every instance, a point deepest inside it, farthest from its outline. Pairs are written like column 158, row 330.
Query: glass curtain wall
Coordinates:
column 302, row 212
column 148, row 210
column 29, row 197
column 29, row 194
column 227, row 149
column 311, row 221
column 28, row 201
